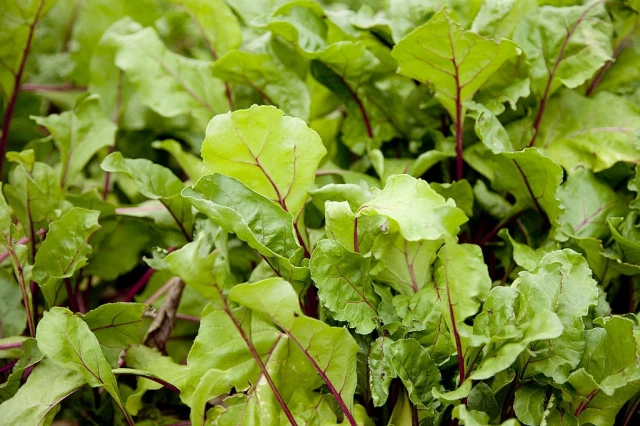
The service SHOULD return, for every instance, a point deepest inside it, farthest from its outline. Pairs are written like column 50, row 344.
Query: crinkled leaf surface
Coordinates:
column 344, row 285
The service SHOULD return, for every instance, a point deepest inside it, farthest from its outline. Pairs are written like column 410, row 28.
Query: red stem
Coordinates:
column 6, row 346
column 632, row 411
column 73, row 302
column 8, row 114
column 31, row 87
column 8, row 366
column 139, row 285
column 552, row 74
column 323, row 374
column 459, row 135
column 586, row 403
column 124, row 372
column 602, row 71
column 356, row 243
column 116, row 114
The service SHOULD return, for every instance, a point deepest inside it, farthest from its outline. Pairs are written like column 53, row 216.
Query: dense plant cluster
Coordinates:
column 242, row 212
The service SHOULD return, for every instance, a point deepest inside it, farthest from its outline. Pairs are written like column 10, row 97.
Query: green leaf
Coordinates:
column 524, row 255
column 79, row 135
column 276, row 84
column 416, row 369
column 418, row 212
column 530, row 403
column 574, row 127
column 347, row 69
column 463, row 283
column 499, row 19
column 168, row 83
column 565, row 45
column 66, row 339
column 157, row 183
column 37, row 401
column 94, row 18
column 152, row 362
column 381, row 370
column 13, row 318
column 205, row 270
column 609, row 372
column 17, row 24
column 455, row 61
column 217, row 24
column 588, row 201
column 562, row 284
column 116, row 94
column 253, row 218
column 330, row 350
column 344, row 285
column 34, row 195
column 404, row 265
column 506, row 326
column 274, row 155
column 64, row 251
column 528, row 175
column 191, row 164
column 118, row 326
column 30, row 356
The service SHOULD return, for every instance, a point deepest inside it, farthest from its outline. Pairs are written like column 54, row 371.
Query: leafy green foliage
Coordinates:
column 320, row 212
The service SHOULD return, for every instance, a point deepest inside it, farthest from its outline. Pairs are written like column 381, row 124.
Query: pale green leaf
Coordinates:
column 418, row 211
column 273, row 154
column 65, row 339
column 344, row 285
column 79, row 135
column 64, row 251
column 566, row 45
column 253, row 218
column 118, row 326
column 168, row 83
column 275, row 83
column 577, row 132
column 455, row 61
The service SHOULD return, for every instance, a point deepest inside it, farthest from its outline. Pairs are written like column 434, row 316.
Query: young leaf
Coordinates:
column 561, row 284
column 117, row 326
column 367, row 124
column 330, row 350
column 528, row 175
column 17, row 23
column 65, row 339
column 216, row 22
column 157, row 183
column 191, row 164
column 276, row 84
column 574, row 127
column 418, row 212
column 34, row 195
column 565, row 46
column 64, row 251
column 268, row 229
column 404, row 265
column 609, row 372
column 79, row 135
column 37, row 401
column 274, row 155
column 587, row 202
column 344, row 285
column 416, row 369
column 455, row 61
column 168, row 83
